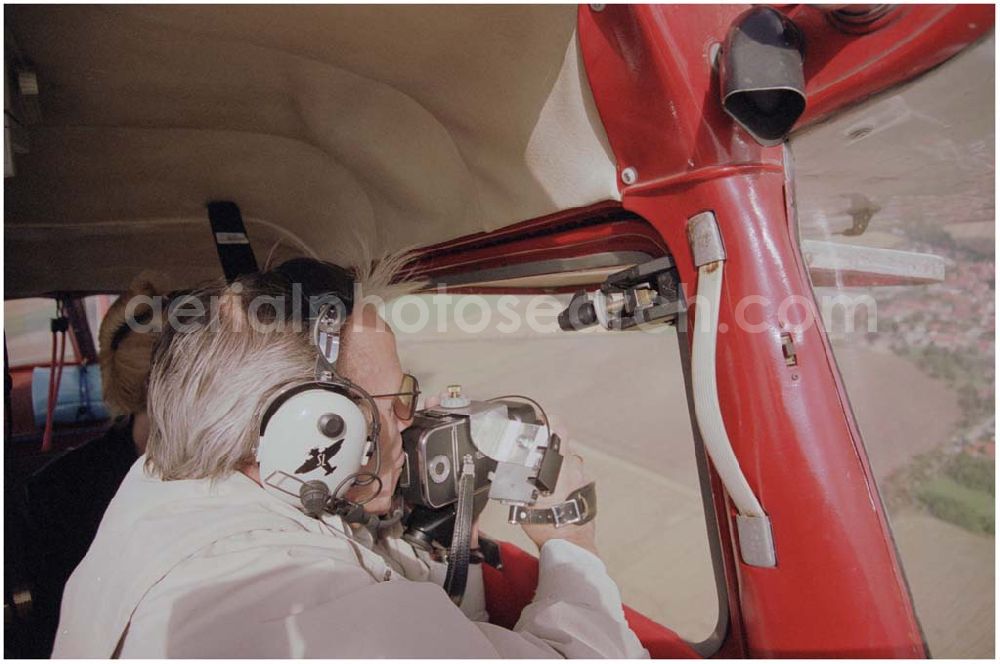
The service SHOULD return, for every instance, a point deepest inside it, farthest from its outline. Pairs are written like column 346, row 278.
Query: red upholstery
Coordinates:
column 509, row 590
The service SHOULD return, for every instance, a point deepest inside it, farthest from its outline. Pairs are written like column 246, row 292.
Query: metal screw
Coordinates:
column 630, row 175
column 597, row 8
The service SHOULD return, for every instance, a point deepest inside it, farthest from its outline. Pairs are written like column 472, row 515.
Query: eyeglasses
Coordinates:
column 404, row 404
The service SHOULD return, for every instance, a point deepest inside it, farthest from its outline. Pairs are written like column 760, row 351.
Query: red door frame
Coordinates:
column 838, row 588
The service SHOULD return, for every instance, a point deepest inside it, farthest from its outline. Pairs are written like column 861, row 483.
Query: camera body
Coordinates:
column 434, row 447
column 515, row 458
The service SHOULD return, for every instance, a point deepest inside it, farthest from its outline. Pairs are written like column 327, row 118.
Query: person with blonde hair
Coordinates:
column 126, row 349
column 66, row 499
column 195, row 558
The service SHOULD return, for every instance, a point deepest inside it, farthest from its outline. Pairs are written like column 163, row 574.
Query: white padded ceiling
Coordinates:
column 404, row 125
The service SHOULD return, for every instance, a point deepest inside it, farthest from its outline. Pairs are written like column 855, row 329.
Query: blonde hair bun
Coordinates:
column 125, row 352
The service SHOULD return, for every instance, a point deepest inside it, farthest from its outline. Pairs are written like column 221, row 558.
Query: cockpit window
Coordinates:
column 28, row 332
column 621, row 398
column 896, row 220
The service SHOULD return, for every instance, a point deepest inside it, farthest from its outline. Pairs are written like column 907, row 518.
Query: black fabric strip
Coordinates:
column 231, row 240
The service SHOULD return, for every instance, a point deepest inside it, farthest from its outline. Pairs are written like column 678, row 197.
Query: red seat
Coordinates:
column 511, row 589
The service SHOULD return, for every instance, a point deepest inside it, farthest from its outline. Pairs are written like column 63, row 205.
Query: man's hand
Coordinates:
column 571, row 477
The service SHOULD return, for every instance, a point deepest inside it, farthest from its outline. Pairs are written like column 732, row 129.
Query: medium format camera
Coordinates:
column 514, row 455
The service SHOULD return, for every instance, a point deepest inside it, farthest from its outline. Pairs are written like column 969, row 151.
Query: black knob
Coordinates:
column 579, row 314
column 331, row 425
column 314, row 495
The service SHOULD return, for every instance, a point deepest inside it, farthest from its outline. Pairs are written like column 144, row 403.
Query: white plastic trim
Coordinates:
column 706, row 392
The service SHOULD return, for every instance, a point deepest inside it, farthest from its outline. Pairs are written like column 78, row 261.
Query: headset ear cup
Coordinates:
column 313, row 431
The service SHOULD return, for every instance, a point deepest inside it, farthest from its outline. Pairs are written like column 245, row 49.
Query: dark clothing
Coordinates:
column 64, row 503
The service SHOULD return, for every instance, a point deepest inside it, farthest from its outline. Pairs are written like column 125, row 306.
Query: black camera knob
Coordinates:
column 331, row 425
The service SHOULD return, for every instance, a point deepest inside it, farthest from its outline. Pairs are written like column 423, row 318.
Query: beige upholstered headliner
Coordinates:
column 408, row 125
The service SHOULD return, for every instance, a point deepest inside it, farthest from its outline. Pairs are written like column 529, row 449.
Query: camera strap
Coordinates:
column 458, row 554
column 579, row 507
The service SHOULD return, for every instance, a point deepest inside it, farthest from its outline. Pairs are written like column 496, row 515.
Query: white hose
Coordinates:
column 706, row 392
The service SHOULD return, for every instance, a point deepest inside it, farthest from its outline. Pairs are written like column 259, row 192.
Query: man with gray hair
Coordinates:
column 195, row 559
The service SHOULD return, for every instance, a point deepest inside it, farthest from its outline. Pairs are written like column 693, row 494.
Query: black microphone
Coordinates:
column 314, row 495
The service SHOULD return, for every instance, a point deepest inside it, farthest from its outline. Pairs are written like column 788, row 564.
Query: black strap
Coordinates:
column 579, row 507
column 489, row 552
column 231, row 241
column 76, row 312
column 457, row 575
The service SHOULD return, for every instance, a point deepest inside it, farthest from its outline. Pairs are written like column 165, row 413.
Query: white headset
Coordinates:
column 316, row 435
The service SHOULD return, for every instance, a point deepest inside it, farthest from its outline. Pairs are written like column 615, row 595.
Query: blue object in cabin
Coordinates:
column 80, row 397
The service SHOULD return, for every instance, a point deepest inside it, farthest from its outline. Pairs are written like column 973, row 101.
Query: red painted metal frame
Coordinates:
column 619, row 235
column 838, row 588
column 843, row 68
column 569, row 233
column 602, row 227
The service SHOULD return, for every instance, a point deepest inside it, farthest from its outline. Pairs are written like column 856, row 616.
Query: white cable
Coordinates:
column 706, row 392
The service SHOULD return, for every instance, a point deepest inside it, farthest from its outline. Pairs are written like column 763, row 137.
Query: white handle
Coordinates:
column 706, row 392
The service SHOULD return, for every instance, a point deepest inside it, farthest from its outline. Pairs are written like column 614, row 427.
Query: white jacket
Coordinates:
column 194, row 568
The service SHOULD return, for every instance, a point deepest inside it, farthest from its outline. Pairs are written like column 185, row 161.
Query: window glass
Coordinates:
column 621, row 398
column 901, row 191
column 28, row 332
column 96, row 306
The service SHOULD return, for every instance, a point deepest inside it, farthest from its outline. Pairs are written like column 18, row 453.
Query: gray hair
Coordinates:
column 388, row 276
column 213, row 373
column 222, row 356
